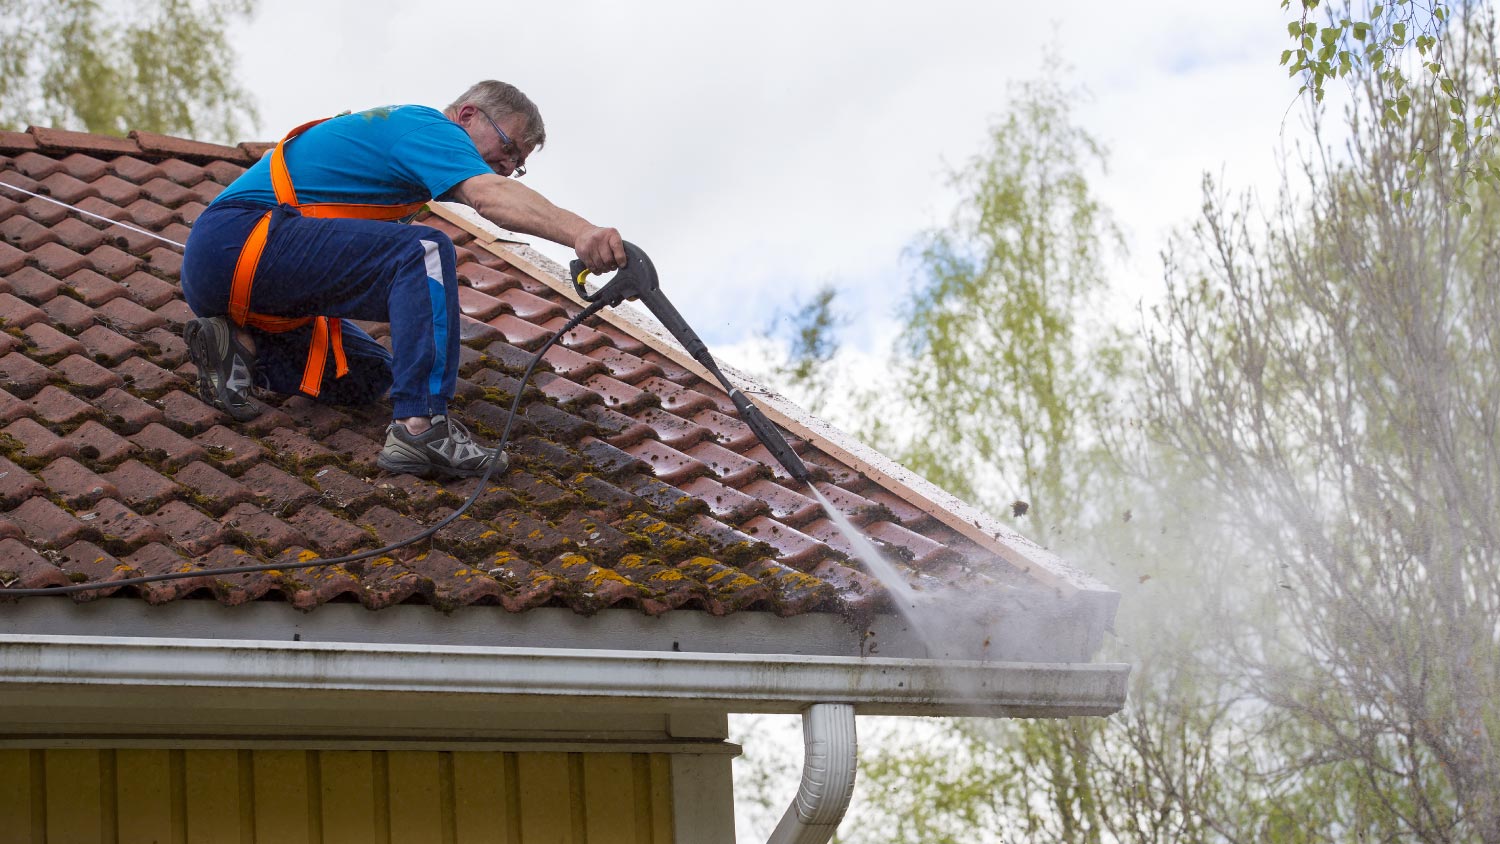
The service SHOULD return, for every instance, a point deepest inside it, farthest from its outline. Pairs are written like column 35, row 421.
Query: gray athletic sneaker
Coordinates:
column 226, row 369
column 445, row 449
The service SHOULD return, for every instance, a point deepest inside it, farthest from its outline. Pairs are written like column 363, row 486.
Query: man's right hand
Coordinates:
column 601, row 249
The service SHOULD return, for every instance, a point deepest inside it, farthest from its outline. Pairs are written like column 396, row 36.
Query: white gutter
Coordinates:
column 725, row 682
column 827, row 776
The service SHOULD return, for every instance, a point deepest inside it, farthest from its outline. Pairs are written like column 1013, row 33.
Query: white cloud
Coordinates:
column 756, row 151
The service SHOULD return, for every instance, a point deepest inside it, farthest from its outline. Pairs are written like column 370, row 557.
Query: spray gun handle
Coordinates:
column 636, row 278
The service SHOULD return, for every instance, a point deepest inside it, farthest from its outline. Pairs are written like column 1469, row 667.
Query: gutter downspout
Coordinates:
column 827, row 776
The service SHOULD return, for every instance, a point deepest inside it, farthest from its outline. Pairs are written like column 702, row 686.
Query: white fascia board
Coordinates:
column 721, row 682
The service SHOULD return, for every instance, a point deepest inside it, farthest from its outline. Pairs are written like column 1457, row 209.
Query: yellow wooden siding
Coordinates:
column 61, row 796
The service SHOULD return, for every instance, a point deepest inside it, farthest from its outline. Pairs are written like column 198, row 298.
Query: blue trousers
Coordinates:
column 354, row 269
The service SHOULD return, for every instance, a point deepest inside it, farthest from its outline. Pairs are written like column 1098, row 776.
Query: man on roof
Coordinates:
column 314, row 235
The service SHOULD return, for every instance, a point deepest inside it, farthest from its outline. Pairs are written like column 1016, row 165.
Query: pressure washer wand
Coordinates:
column 637, row 280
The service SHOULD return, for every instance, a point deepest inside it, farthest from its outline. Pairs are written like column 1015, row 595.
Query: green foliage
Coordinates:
column 1335, row 376
column 153, row 65
column 812, row 329
column 1373, row 42
column 999, row 359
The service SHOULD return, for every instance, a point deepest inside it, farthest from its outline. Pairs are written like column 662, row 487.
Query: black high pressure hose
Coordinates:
column 593, row 307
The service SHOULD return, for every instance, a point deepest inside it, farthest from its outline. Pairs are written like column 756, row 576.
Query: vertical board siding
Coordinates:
column 211, row 797
column 143, row 796
column 333, row 797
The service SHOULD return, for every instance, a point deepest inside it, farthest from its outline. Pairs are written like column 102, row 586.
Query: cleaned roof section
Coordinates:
column 631, row 481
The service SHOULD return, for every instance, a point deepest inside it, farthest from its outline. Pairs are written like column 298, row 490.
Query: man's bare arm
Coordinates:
column 512, row 205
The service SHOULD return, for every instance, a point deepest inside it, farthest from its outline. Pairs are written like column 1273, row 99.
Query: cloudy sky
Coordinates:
column 758, row 151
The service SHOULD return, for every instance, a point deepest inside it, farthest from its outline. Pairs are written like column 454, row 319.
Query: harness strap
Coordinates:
column 328, row 335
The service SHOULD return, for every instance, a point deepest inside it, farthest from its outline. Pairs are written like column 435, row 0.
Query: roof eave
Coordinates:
column 562, row 678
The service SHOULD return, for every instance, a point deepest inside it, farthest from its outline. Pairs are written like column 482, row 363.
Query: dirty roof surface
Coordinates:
column 631, row 482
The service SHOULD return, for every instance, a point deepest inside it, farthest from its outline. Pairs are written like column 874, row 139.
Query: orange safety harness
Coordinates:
column 327, row 333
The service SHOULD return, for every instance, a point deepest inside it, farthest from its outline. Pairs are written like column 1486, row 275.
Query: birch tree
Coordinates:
column 154, row 65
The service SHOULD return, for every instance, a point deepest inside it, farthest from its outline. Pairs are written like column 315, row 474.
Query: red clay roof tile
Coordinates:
column 223, row 171
column 189, row 528
column 486, row 280
column 115, row 190
column 44, row 212
column 166, row 145
column 105, row 346
column 269, row 534
column 141, row 487
column 58, row 260
column 33, row 285
column 15, row 313
column 57, row 407
column 68, row 313
column 623, row 365
column 12, row 408
column 85, row 167
column 182, row 173
column 78, row 235
column 148, row 291
column 572, row 365
column 789, row 506
column 146, row 379
column 329, row 534
column 65, row 187
column 529, row 307
column 49, row 345
column 45, row 524
column 110, row 261
column 24, row 233
column 480, row 306
column 16, row 484
column 727, row 431
column 729, row 467
column 122, row 527
column 580, row 338
column 166, row 448
column 17, row 141
column 519, row 332
column 68, row 141
column 135, row 170
column 11, row 259
column 36, row 165
column 21, row 376
column 794, row 547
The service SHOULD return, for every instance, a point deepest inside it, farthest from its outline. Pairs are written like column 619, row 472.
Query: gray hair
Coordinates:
column 498, row 99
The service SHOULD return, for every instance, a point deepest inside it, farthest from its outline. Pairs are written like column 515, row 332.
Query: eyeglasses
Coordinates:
column 510, row 148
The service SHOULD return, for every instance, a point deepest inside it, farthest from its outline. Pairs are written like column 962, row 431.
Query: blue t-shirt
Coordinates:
column 385, row 156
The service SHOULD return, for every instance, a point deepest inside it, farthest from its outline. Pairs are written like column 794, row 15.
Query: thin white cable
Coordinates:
column 75, row 208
